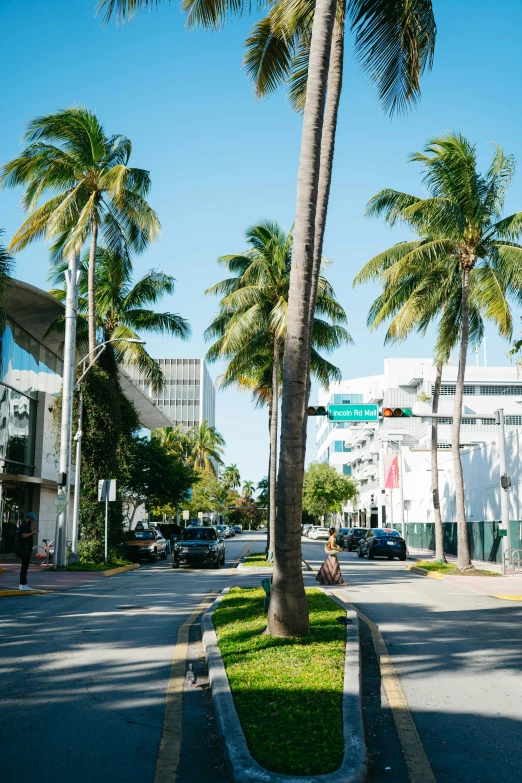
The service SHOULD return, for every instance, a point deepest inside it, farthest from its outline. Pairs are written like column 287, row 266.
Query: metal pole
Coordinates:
column 106, row 525
column 72, row 277
column 504, row 497
column 401, row 487
column 76, row 507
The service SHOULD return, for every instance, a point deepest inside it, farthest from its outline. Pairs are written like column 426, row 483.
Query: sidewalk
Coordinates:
column 44, row 578
column 508, row 587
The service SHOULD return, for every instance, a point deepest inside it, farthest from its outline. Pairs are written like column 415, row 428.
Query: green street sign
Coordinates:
column 353, row 413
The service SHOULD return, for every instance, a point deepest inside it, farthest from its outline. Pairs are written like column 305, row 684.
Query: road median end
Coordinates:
column 120, row 569
column 424, row 572
column 241, row 765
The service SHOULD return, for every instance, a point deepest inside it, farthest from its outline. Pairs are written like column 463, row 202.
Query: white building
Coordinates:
column 188, row 397
column 364, row 450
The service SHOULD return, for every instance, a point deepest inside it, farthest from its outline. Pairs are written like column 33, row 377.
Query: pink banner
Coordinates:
column 391, row 471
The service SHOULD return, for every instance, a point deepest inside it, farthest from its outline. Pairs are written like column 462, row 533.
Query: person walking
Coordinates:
column 330, row 571
column 25, row 547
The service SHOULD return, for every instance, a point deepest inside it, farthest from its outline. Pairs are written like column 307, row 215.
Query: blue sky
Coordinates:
column 220, row 160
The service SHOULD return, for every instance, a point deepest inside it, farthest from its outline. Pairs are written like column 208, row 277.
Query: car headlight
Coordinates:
column 149, row 546
column 213, row 545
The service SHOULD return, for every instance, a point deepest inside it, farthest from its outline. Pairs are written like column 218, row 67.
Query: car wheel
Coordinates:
column 175, row 564
column 217, row 564
column 370, row 555
column 164, row 555
column 402, row 557
column 154, row 556
column 223, row 559
column 359, row 553
column 390, row 557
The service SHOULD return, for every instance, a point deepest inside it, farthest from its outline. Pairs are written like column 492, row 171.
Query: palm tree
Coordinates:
column 206, row 447
column 6, row 270
column 251, row 327
column 263, row 494
column 248, row 489
column 466, row 260
column 231, row 477
column 123, row 309
column 93, row 189
column 395, row 43
column 175, row 441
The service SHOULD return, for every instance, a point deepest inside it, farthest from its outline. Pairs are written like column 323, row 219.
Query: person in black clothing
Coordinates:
column 26, row 543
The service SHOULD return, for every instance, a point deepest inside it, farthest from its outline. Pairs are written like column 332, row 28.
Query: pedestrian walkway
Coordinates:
column 508, row 587
column 44, row 578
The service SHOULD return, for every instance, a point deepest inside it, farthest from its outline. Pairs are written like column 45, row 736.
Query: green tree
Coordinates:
column 231, row 477
column 6, row 270
column 155, row 476
column 325, row 491
column 176, row 441
column 250, row 328
column 207, row 494
column 206, row 447
column 262, row 487
column 93, row 189
column 466, row 262
column 248, row 489
column 123, row 309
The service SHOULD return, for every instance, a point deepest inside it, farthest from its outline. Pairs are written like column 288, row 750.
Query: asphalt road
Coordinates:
column 84, row 674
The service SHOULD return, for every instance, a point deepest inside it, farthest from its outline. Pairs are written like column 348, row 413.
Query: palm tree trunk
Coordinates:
column 463, row 558
column 92, row 285
column 268, row 539
column 333, row 97
column 439, row 534
column 288, row 610
column 272, row 481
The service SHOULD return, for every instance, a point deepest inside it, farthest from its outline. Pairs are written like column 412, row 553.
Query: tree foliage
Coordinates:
column 326, row 491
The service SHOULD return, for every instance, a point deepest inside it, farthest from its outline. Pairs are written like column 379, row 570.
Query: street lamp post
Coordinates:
column 97, row 351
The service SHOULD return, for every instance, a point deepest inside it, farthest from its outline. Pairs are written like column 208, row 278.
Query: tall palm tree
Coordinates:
column 394, row 41
column 123, row 309
column 175, row 441
column 248, row 489
column 466, row 259
column 263, row 494
column 251, row 327
column 6, row 270
column 93, row 189
column 231, row 478
column 206, row 447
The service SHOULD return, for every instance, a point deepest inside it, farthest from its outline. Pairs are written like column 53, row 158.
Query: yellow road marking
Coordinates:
column 170, row 745
column 419, row 769
column 5, row 593
column 509, row 597
column 238, row 559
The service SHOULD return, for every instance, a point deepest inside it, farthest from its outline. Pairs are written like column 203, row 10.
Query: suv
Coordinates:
column 199, row 546
column 349, row 537
column 383, row 542
column 147, row 543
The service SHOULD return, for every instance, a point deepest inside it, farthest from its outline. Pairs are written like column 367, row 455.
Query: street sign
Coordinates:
column 186, row 514
column 353, row 413
column 107, row 489
column 61, row 502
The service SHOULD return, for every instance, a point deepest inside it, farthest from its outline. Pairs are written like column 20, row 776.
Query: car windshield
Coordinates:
column 140, row 535
column 195, row 534
column 385, row 532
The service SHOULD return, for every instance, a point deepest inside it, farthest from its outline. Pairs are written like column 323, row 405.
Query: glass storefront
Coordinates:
column 26, row 368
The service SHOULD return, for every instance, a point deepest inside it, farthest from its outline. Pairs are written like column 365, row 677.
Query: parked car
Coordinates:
column 237, row 528
column 306, row 529
column 146, row 543
column 318, row 532
column 221, row 530
column 382, row 542
column 230, row 530
column 199, row 546
column 349, row 537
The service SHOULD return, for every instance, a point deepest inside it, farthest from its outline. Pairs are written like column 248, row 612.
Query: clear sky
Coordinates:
column 220, row 161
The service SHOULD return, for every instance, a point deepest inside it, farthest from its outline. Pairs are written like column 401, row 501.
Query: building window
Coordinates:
column 449, row 389
column 496, row 391
column 338, row 445
column 513, row 420
column 347, row 470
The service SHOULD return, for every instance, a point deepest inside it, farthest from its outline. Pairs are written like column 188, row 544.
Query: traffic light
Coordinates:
column 396, row 413
column 317, row 410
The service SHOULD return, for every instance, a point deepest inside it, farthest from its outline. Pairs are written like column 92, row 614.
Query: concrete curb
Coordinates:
column 120, row 569
column 423, row 572
column 7, row 593
column 241, row 766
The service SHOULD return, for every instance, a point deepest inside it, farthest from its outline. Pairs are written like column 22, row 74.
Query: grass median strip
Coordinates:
column 257, row 560
column 287, row 692
column 452, row 570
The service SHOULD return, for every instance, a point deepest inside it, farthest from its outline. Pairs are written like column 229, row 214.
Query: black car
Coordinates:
column 382, row 542
column 199, row 546
column 349, row 537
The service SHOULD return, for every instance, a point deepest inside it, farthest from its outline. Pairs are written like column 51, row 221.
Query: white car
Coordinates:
column 317, row 533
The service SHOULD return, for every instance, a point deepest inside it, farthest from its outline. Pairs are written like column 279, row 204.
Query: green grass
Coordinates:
column 256, row 560
column 450, row 568
column 287, row 692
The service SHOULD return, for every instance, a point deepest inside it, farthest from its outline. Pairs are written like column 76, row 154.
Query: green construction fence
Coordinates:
column 484, row 540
